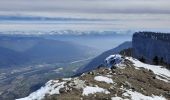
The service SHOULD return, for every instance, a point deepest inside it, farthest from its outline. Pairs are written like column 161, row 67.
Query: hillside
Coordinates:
column 100, row 58
column 129, row 79
column 18, row 50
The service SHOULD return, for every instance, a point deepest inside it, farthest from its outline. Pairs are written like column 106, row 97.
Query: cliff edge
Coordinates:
column 151, row 45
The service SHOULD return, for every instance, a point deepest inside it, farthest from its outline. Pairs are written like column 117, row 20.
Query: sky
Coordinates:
column 86, row 14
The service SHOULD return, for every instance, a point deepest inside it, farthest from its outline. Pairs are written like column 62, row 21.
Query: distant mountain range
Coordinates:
column 71, row 32
column 25, row 50
column 101, row 40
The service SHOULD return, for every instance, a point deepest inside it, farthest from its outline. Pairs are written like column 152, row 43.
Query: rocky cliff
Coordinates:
column 150, row 44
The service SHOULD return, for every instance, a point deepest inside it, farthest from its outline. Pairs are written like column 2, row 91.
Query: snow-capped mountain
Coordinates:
column 71, row 32
column 129, row 80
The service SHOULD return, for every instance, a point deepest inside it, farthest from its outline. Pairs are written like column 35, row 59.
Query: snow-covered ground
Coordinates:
column 138, row 96
column 118, row 98
column 161, row 72
column 114, row 60
column 51, row 87
column 103, row 79
column 91, row 90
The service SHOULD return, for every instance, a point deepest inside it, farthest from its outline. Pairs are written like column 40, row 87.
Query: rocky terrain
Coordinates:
column 126, row 79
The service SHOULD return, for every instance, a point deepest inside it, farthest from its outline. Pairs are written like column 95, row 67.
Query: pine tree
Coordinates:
column 142, row 59
column 162, row 61
column 156, row 60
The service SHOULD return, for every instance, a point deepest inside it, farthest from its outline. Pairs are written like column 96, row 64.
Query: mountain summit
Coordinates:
column 126, row 79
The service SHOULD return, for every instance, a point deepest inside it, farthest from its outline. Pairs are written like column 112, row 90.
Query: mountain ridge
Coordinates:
column 100, row 59
column 30, row 50
column 130, row 80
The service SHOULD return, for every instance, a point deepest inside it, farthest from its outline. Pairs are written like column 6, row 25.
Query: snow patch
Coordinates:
column 79, row 84
column 66, row 79
column 109, row 75
column 159, row 70
column 103, row 79
column 51, row 87
column 114, row 60
column 117, row 98
column 91, row 90
column 138, row 96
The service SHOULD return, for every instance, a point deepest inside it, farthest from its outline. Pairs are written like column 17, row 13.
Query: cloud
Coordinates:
column 87, row 6
column 115, row 14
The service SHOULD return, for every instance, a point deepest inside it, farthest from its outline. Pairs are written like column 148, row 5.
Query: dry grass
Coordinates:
column 143, row 81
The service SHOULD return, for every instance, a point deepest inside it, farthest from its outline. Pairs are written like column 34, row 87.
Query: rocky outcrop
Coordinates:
column 148, row 45
column 99, row 60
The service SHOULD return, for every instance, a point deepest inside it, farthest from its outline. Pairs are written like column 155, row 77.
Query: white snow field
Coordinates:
column 114, row 60
column 51, row 87
column 91, row 90
column 103, row 79
column 161, row 72
column 138, row 96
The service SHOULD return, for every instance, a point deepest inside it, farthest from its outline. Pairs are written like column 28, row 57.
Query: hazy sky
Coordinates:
column 87, row 6
column 115, row 14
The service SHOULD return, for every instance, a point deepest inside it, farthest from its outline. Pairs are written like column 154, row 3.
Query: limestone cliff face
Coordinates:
column 150, row 44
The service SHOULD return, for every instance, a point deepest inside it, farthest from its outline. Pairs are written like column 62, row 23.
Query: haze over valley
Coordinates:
column 52, row 49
